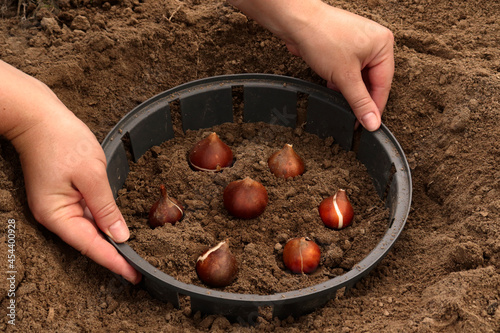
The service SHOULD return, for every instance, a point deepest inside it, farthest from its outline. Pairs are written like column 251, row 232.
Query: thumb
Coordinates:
column 95, row 189
column 355, row 92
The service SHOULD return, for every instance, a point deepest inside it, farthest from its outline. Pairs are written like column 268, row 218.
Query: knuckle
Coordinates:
column 107, row 210
column 352, row 77
column 361, row 103
column 44, row 214
column 389, row 37
column 92, row 174
column 86, row 247
column 96, row 169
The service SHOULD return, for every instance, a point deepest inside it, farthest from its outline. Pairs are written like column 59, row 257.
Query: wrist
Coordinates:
column 296, row 25
column 25, row 103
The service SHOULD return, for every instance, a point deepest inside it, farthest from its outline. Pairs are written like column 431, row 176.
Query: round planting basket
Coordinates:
column 276, row 100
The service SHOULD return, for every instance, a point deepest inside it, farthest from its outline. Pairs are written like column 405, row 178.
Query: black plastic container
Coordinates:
column 276, row 100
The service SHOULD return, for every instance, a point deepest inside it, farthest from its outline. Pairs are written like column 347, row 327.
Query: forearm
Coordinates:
column 284, row 18
column 24, row 101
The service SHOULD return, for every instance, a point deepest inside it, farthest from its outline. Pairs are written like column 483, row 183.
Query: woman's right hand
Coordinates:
column 353, row 53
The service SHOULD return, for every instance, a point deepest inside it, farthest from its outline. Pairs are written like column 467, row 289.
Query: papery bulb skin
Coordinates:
column 285, row 163
column 165, row 210
column 211, row 154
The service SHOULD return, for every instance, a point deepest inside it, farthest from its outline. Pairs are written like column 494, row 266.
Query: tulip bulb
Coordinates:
column 285, row 163
column 301, row 255
column 217, row 267
column 245, row 198
column 211, row 154
column 336, row 211
column 165, row 210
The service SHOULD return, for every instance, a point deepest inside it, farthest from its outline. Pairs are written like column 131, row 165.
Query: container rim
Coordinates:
column 395, row 183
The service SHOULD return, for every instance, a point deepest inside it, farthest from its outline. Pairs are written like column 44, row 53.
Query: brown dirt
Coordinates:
column 104, row 58
column 257, row 243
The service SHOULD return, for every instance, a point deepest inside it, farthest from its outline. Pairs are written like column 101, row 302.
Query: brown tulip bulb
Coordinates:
column 211, row 154
column 336, row 211
column 285, row 163
column 301, row 255
column 165, row 210
column 217, row 267
column 245, row 199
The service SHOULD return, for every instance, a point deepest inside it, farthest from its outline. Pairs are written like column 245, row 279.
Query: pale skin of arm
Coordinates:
column 65, row 168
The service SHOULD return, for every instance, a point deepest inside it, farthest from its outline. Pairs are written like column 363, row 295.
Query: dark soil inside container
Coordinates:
column 257, row 243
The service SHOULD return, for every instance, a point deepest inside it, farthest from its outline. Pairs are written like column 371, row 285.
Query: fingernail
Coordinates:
column 119, row 231
column 370, row 121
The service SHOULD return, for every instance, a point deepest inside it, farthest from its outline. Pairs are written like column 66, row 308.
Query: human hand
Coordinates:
column 65, row 172
column 68, row 190
column 355, row 56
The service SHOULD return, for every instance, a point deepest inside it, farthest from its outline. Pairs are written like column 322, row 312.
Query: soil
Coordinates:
column 258, row 243
column 104, row 58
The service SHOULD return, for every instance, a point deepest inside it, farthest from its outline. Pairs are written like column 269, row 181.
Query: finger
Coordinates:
column 293, row 49
column 355, row 92
column 333, row 86
column 380, row 78
column 83, row 235
column 94, row 186
column 106, row 255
